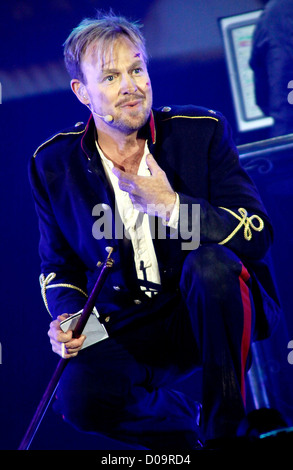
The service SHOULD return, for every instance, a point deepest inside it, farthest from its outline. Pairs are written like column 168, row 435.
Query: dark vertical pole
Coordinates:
column 53, row 384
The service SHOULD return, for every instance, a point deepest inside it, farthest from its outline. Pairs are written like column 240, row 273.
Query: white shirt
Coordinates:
column 138, row 223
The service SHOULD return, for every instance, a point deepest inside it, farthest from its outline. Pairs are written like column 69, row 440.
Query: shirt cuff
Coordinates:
column 174, row 218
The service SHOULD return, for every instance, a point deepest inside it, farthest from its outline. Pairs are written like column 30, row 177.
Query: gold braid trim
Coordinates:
column 245, row 221
column 190, row 117
column 54, row 137
column 44, row 281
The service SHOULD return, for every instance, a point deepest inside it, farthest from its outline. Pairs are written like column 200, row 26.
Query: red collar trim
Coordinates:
column 153, row 127
column 85, row 132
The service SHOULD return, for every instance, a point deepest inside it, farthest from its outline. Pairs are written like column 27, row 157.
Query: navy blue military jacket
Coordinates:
column 194, row 147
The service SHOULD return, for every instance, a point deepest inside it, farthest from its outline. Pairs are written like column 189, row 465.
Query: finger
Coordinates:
column 126, row 181
column 117, row 172
column 152, row 164
column 122, row 175
column 63, row 316
column 71, row 348
column 63, row 350
column 75, row 343
column 125, row 187
column 56, row 334
column 126, row 177
column 55, row 324
column 64, row 353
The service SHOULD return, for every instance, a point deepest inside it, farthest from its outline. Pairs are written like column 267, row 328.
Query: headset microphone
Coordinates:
column 106, row 118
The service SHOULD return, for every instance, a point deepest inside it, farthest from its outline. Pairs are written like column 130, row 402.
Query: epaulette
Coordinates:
column 78, row 128
column 188, row 112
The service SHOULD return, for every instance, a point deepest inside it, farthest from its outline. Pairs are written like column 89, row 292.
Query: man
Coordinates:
column 272, row 64
column 169, row 305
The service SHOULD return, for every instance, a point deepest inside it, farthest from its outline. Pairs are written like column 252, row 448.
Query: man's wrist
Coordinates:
column 172, row 212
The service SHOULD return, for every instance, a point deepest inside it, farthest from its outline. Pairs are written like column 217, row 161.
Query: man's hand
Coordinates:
column 150, row 194
column 63, row 343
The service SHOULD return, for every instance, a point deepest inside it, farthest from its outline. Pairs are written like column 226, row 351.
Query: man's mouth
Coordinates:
column 130, row 103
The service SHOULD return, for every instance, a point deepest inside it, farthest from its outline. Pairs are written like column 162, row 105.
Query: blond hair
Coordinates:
column 103, row 30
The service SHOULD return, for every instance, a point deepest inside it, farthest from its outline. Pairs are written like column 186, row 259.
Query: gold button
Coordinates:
column 107, row 319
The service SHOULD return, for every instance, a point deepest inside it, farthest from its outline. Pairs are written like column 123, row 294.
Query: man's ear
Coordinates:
column 79, row 90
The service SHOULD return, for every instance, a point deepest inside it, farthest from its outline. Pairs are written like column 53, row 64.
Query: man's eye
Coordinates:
column 110, row 77
column 137, row 70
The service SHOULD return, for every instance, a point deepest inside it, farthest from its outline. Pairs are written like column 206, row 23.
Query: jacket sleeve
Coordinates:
column 233, row 215
column 62, row 280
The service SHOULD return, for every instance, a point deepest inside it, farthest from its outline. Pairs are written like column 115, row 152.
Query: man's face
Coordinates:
column 119, row 85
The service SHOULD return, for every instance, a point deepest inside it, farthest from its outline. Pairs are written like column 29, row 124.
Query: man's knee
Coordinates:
column 90, row 413
column 93, row 400
column 210, row 266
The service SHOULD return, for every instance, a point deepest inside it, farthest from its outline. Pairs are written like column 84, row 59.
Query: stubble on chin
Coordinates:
column 133, row 122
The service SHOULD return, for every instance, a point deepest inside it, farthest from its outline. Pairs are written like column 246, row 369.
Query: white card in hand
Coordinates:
column 93, row 330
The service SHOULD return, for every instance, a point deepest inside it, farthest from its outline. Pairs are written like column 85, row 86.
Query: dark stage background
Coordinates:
column 187, row 66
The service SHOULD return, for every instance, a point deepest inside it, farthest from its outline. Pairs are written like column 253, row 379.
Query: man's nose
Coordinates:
column 128, row 84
